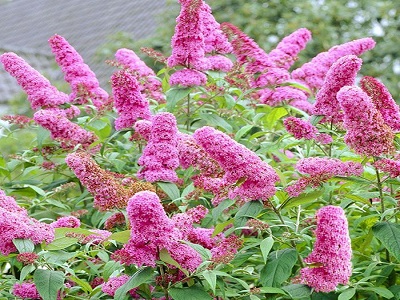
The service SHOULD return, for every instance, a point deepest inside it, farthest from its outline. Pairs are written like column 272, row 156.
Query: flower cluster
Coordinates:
column 367, row 132
column 69, row 221
column 148, row 83
column 343, row 72
column 160, row 157
column 26, row 290
column 389, row 166
column 330, row 260
column 313, row 73
column 40, row 91
column 129, row 102
column 246, row 175
column 383, row 101
column 83, row 81
column 320, row 169
column 152, row 231
column 16, row 224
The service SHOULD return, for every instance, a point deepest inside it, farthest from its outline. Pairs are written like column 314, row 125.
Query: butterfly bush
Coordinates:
column 239, row 163
column 83, row 81
column 367, row 133
column 197, row 180
column 331, row 253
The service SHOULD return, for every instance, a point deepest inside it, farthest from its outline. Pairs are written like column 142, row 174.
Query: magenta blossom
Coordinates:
column 383, row 101
column 40, row 92
column 83, row 81
column 285, row 53
column 188, row 78
column 313, row 73
column 330, row 260
column 69, row 221
column 152, row 231
column 257, row 179
column 160, row 157
column 389, row 166
column 26, row 290
column 131, row 105
column 367, row 132
column 343, row 72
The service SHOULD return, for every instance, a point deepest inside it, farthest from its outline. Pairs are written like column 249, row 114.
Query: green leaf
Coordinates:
column 121, row 237
column 211, row 278
column 347, row 294
column 298, row 291
column 278, row 268
column 389, row 234
column 266, row 246
column 194, row 292
column 24, row 245
column 170, row 189
column 174, row 95
column 217, row 121
column 314, row 120
column 25, row 271
column 242, row 131
column 271, row 290
column 384, row 292
column 140, row 277
column 274, row 115
column 48, row 283
column 205, row 253
column 82, row 283
column 248, row 210
column 166, row 257
column 302, row 199
column 221, row 226
column 61, row 243
column 217, row 212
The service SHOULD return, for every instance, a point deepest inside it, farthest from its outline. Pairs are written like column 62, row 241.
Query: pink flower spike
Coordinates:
column 129, row 102
column 280, row 94
column 113, row 284
column 62, row 129
column 26, row 290
column 330, row 260
column 389, row 166
column 188, row 41
column 343, row 72
column 300, row 128
column 188, row 78
column 214, row 38
column 285, row 53
column 149, row 85
column 69, row 221
column 313, row 73
column 152, row 231
column 239, row 164
column 367, row 133
column 383, row 101
column 160, row 157
column 16, row 224
column 40, row 91
column 83, row 81
column 220, row 63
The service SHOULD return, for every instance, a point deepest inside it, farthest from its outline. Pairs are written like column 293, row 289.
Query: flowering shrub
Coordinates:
column 227, row 175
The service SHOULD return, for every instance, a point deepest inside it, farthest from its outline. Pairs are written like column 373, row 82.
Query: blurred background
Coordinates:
column 97, row 28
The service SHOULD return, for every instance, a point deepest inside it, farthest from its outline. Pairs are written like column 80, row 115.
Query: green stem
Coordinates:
column 188, row 115
column 292, row 243
column 379, row 184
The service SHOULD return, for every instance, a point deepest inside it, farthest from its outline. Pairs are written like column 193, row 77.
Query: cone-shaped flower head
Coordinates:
column 131, row 105
column 40, row 91
column 151, row 232
column 62, row 129
column 343, row 72
column 81, row 78
column 16, row 224
column 149, row 85
column 367, row 132
column 383, row 101
column 285, row 53
column 240, row 165
column 313, row 73
column 389, row 166
column 188, row 41
column 330, row 259
column 160, row 157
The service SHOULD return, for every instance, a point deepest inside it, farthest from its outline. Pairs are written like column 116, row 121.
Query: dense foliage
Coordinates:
column 229, row 174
